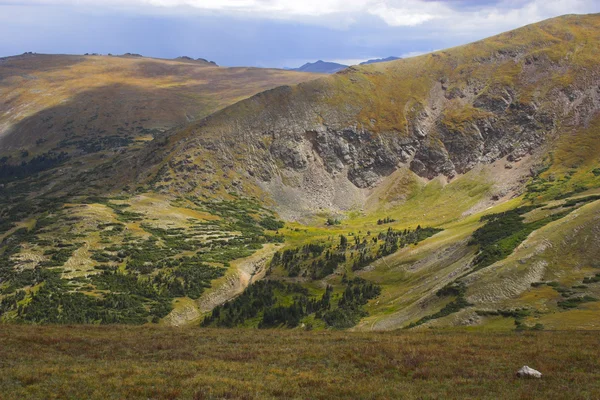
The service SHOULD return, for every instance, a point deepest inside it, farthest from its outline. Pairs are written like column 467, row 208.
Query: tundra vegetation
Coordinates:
column 115, row 362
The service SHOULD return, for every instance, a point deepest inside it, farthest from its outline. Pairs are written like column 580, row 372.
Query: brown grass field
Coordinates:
column 125, row 362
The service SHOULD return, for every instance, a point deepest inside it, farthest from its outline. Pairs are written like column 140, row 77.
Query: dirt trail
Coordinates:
column 241, row 274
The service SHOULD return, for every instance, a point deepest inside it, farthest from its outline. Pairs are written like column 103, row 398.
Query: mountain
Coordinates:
column 321, row 67
column 457, row 188
column 325, row 67
column 90, row 109
column 378, row 60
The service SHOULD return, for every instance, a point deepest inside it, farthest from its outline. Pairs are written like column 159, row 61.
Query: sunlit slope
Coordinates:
column 549, row 279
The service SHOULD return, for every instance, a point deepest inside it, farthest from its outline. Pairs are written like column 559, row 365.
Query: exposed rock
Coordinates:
column 527, row 372
column 351, row 131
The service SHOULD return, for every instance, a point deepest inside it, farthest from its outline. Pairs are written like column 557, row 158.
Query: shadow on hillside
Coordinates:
column 97, row 128
column 26, row 64
column 117, row 110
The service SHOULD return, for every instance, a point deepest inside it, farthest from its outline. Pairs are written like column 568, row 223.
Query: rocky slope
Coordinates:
column 326, row 144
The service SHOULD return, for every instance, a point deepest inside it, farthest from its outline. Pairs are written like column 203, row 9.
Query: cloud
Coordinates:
column 456, row 15
column 410, row 12
column 265, row 32
column 415, row 53
column 250, row 8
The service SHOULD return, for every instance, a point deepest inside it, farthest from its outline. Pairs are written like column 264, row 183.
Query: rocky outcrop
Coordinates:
column 290, row 150
column 352, row 130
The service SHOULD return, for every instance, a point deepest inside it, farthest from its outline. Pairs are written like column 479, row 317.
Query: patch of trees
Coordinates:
column 127, row 299
column 591, row 279
column 271, row 223
column 243, row 215
column 581, row 201
column 255, row 299
column 503, row 232
column 450, row 308
column 497, row 239
column 290, row 316
column 196, row 277
column 52, row 304
column 122, row 214
column 39, row 163
column 320, row 259
column 395, row 239
column 10, row 278
column 349, row 310
column 155, row 272
column 9, row 303
column 97, row 144
column 272, row 304
column 155, row 297
column 573, row 302
column 311, row 260
column 455, row 289
column 386, row 220
column 60, row 254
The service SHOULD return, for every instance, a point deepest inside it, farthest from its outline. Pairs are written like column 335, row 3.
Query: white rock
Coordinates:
column 527, row 372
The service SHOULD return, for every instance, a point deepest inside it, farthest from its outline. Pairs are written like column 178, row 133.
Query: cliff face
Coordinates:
column 326, row 143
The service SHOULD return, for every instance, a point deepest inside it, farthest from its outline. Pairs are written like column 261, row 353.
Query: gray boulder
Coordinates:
column 527, row 372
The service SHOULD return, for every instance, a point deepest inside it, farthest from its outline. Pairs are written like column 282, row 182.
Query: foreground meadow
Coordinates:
column 117, row 362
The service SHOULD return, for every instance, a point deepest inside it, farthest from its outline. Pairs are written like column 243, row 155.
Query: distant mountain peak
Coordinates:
column 379, row 60
column 328, row 67
column 322, row 67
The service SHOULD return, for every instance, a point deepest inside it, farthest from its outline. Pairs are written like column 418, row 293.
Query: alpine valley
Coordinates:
column 456, row 188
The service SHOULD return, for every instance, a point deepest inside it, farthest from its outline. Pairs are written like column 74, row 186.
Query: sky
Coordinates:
column 265, row 33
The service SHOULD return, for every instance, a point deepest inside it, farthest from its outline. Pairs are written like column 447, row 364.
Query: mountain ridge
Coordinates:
column 394, row 179
column 434, row 158
column 321, row 66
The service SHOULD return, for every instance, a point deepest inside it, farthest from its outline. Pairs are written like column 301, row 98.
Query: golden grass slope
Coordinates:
column 387, row 92
column 42, row 95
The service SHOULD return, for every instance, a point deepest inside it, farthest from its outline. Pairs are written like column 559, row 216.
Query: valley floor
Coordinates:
column 116, row 362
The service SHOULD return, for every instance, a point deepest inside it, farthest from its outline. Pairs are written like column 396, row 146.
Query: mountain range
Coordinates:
column 321, row 67
column 456, row 188
column 326, row 67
